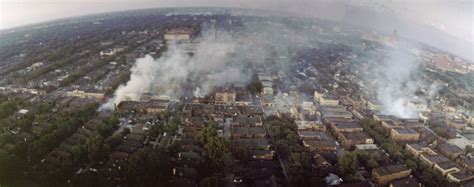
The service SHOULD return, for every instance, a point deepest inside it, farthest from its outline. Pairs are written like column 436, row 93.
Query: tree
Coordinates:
column 208, row 132
column 217, row 149
column 348, row 163
column 105, row 129
column 243, row 153
column 283, row 146
column 372, row 163
column 149, row 167
column 255, row 86
column 114, row 140
column 96, row 148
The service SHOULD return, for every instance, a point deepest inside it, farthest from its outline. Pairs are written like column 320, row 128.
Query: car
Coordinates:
column 238, row 180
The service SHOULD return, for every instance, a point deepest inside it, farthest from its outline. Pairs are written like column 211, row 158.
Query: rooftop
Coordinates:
column 390, row 169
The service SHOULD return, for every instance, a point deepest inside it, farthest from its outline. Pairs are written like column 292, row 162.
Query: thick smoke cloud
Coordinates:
column 398, row 84
column 220, row 57
column 168, row 75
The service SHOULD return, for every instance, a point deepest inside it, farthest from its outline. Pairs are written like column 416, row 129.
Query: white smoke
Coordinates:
column 176, row 70
column 397, row 79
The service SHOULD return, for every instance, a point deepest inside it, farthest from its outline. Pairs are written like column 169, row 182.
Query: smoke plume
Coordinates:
column 398, row 82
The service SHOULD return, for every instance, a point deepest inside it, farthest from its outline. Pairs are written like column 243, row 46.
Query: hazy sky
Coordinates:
column 453, row 17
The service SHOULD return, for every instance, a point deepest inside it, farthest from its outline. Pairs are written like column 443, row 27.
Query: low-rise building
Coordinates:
column 310, row 125
column 350, row 139
column 225, row 96
column 247, row 132
column 328, row 100
column 431, row 160
column 451, row 151
column 446, row 167
column 386, row 174
column 457, row 123
column 404, row 135
column 460, row 177
column 405, row 182
column 468, row 163
column 320, row 146
column 179, row 34
column 338, row 127
column 308, row 134
column 418, row 149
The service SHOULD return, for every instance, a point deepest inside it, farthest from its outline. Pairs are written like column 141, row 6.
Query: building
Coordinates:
column 451, row 151
column 432, row 160
column 83, row 94
column 247, row 132
column 386, row 174
column 457, row 123
column 319, row 146
column 328, row 100
column 374, row 106
column 446, row 167
column 418, row 149
column 349, row 139
column 310, row 125
column 247, row 121
column 338, row 127
column 179, row 34
column 366, row 147
column 468, row 164
column 404, row 135
column 225, row 96
column 153, row 106
column 267, row 87
column 309, row 134
column 405, row 182
column 460, row 177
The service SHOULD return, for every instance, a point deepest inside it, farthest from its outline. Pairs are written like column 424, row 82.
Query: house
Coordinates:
column 374, row 105
column 179, row 34
column 446, row 167
column 247, row 121
column 366, row 147
column 225, row 96
column 152, row 106
column 405, row 182
column 338, row 127
column 418, row 149
column 404, row 135
column 328, row 100
column 386, row 174
column 468, row 163
column 310, row 125
column 247, row 132
column 350, row 139
column 431, row 160
column 323, row 145
column 460, row 177
column 308, row 134
column 337, row 114
column 457, row 123
column 451, row 151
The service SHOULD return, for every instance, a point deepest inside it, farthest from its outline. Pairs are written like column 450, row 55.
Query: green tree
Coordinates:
column 372, row 163
column 217, row 149
column 208, row 132
column 348, row 163
column 96, row 148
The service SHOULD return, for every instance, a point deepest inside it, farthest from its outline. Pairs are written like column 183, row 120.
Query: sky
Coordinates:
column 452, row 17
